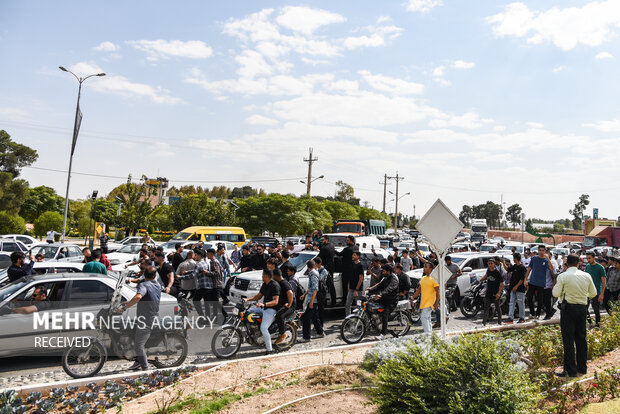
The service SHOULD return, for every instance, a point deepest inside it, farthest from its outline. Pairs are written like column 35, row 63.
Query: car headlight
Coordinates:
column 255, row 285
column 115, row 262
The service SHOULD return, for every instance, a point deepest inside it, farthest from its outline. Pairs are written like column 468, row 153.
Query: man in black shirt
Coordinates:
column 165, row 271
column 404, row 283
column 355, row 281
column 327, row 253
column 39, row 302
column 245, row 264
column 495, row 286
column 259, row 259
column 177, row 257
column 270, row 293
column 517, row 288
column 285, row 262
column 18, row 269
column 388, row 294
column 347, row 268
column 286, row 304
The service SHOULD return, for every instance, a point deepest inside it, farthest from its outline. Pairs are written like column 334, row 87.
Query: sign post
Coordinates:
column 439, row 225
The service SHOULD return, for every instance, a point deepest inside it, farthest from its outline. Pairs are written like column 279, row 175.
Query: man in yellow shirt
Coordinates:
column 574, row 288
column 429, row 289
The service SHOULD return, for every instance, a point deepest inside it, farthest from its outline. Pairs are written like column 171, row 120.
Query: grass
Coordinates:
column 607, row 407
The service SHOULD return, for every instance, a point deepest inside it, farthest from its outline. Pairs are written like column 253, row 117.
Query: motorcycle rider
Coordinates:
column 404, row 283
column 270, row 291
column 148, row 294
column 388, row 289
column 286, row 304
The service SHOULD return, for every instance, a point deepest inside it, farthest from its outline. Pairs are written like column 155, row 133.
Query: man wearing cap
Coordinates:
column 574, row 288
column 612, row 290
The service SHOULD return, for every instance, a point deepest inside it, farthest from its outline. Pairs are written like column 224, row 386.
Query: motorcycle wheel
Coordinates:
column 291, row 337
column 468, row 309
column 80, row 362
column 352, row 329
column 399, row 324
column 414, row 314
column 176, row 351
column 226, row 342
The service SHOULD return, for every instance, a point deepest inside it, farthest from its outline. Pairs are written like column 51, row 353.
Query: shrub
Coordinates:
column 10, row 224
column 46, row 221
column 473, row 374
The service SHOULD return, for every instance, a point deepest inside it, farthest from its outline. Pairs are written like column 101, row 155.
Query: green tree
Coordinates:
column 160, row 218
column 578, row 211
column 340, row 210
column 14, row 156
column 46, row 221
column 466, row 215
column 513, row 214
column 10, row 224
column 366, row 213
column 136, row 207
column 243, row 192
column 558, row 228
column 346, row 193
column 41, row 199
column 200, row 210
column 106, row 212
column 13, row 193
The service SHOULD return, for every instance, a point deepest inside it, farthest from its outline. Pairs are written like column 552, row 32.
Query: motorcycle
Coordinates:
column 473, row 301
column 164, row 348
column 366, row 317
column 244, row 326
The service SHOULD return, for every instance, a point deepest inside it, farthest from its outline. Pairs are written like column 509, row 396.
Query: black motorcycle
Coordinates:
column 366, row 317
column 473, row 301
column 244, row 326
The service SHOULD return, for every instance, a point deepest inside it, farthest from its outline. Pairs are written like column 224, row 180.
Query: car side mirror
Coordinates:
column 467, row 269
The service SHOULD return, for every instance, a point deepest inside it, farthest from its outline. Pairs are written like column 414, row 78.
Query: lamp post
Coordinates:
column 311, row 181
column 396, row 208
column 76, row 129
column 91, row 241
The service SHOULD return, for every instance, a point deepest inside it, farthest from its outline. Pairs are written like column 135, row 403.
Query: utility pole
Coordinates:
column 385, row 178
column 397, row 178
column 309, row 160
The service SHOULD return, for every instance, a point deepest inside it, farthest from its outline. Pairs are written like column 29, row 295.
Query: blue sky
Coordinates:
column 467, row 100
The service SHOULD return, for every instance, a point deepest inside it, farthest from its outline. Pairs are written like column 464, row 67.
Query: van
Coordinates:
column 212, row 233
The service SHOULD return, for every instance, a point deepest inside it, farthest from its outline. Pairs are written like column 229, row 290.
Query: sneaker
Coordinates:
column 509, row 322
column 136, row 366
column 436, row 325
column 521, row 320
column 280, row 339
column 267, row 353
column 321, row 335
column 303, row 340
column 379, row 337
column 548, row 317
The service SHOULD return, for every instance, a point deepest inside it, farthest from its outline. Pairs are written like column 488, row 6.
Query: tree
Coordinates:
column 466, row 215
column 578, row 211
column 513, row 214
column 340, row 210
column 200, row 210
column 160, row 218
column 10, row 224
column 346, row 193
column 41, row 199
column 13, row 193
column 46, row 221
column 136, row 208
column 558, row 228
column 243, row 192
column 372, row 214
column 14, row 156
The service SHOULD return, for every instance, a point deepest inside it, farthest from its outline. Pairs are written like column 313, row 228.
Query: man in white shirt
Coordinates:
column 50, row 235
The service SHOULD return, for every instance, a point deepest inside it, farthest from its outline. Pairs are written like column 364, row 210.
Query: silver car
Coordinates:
column 59, row 252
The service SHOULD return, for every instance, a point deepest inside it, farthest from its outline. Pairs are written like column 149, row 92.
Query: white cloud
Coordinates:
column 469, row 120
column 106, row 47
column 604, row 55
column 163, row 49
column 535, row 125
column 306, row 20
column 391, row 85
column 376, row 37
column 14, row 114
column 591, row 25
column 122, row 86
column 439, row 71
column 460, row 64
column 252, row 64
column 559, row 68
column 422, row 6
column 499, row 128
column 605, row 126
column 261, row 120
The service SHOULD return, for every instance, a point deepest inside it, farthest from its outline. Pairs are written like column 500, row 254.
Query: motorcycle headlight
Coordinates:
column 235, row 311
column 255, row 285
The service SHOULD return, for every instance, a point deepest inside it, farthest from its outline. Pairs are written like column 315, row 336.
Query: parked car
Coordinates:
column 28, row 241
column 248, row 284
column 41, row 268
column 60, row 252
column 113, row 246
column 9, row 246
column 125, row 254
column 67, row 292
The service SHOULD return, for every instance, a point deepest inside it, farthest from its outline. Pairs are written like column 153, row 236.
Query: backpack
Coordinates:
column 322, row 293
column 298, row 291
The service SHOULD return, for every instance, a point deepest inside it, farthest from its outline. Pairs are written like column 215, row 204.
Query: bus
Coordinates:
column 212, row 233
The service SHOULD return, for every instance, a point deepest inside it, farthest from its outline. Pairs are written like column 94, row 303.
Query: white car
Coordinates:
column 248, row 284
column 47, row 267
column 28, row 241
column 113, row 246
column 125, row 254
column 59, row 252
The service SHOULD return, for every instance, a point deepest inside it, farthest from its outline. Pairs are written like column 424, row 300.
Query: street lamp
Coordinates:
column 93, row 197
column 311, row 181
column 76, row 129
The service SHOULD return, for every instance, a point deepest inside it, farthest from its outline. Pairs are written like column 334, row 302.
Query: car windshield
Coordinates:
column 589, row 241
column 48, row 252
column 131, row 248
column 338, row 240
column 477, row 229
column 169, row 245
column 299, row 260
column 181, row 236
column 486, row 247
column 8, row 290
column 457, row 260
column 348, row 228
column 423, row 247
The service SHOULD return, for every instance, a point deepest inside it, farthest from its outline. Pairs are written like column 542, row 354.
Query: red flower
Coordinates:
column 595, row 385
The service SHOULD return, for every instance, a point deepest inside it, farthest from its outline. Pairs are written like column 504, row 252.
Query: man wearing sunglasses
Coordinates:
column 39, row 302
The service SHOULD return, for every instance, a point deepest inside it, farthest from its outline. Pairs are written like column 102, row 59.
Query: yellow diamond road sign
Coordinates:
column 439, row 225
column 99, row 228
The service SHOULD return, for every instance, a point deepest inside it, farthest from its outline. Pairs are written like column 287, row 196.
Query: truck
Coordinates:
column 590, row 224
column 479, row 230
column 359, row 227
column 602, row 236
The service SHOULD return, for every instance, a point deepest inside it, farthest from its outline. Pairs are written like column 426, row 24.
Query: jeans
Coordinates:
column 596, row 307
column 425, row 317
column 573, row 325
column 281, row 315
column 487, row 310
column 269, row 315
column 539, row 292
column 548, row 299
column 516, row 297
column 438, row 312
column 311, row 316
column 350, row 298
column 141, row 336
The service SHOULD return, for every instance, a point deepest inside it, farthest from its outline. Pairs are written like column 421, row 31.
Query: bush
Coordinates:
column 473, row 374
column 46, row 221
column 10, row 224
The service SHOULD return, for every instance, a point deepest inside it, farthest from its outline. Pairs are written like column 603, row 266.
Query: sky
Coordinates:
column 468, row 101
